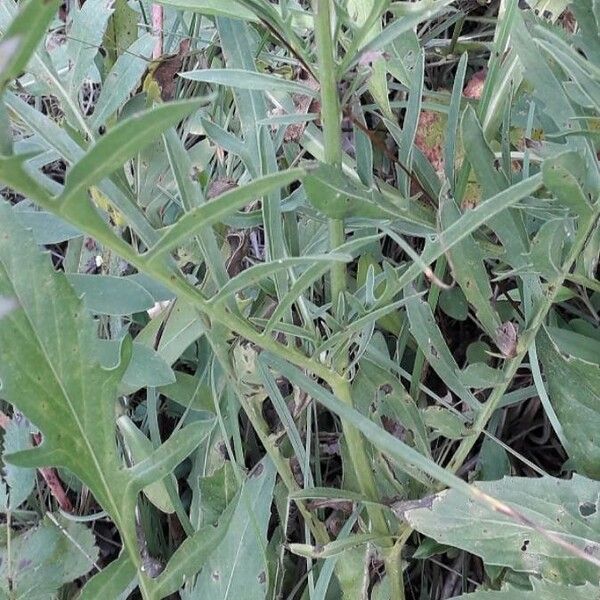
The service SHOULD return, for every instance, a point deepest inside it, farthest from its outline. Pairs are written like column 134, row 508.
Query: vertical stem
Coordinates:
column 364, row 475
column 157, row 30
column 331, row 119
column 360, row 461
column 330, row 103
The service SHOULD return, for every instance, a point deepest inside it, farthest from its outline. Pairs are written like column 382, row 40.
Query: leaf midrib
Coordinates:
column 100, row 471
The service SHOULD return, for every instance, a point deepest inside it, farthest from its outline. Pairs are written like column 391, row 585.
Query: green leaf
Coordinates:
column 286, row 418
column 111, row 295
column 407, row 458
column 248, row 80
column 122, row 79
column 213, row 8
column 387, row 399
column 23, row 36
column 453, row 119
column 182, row 327
column 216, row 492
column 193, row 554
column 434, row 347
column 445, row 422
column 335, row 548
column 48, row 364
column 255, row 274
column 240, row 46
column 40, row 66
column 428, row 548
column 582, row 73
column 584, row 344
column 49, row 371
column 351, row 570
column 15, row 172
column 331, row 494
column 538, row 72
column 588, row 21
column 169, row 454
column 87, row 27
column 146, row 367
column 220, row 207
column 582, row 552
column 453, row 302
column 189, row 391
column 508, row 225
column 238, row 567
column 47, row 228
column 332, row 563
column 309, row 276
column 481, row 376
column 409, row 15
column 574, row 391
column 565, row 176
column 541, row 590
column 59, row 139
column 120, row 144
column 567, row 508
column 17, row 437
column 337, row 196
column 466, row 261
column 410, row 123
column 118, row 576
column 140, row 448
column 36, row 554
column 121, row 32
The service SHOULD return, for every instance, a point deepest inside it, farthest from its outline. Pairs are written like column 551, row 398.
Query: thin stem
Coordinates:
column 157, row 30
column 221, row 350
column 393, row 565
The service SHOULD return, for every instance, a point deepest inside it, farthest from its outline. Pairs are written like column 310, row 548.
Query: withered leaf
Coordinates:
column 165, row 72
column 507, row 338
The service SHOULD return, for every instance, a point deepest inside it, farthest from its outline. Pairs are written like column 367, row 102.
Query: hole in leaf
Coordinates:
column 524, row 546
column 586, row 509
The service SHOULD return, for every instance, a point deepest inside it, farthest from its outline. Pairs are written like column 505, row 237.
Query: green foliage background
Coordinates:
column 269, row 302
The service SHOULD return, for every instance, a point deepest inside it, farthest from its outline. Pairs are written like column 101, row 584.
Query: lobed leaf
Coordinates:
column 541, row 589
column 567, row 508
